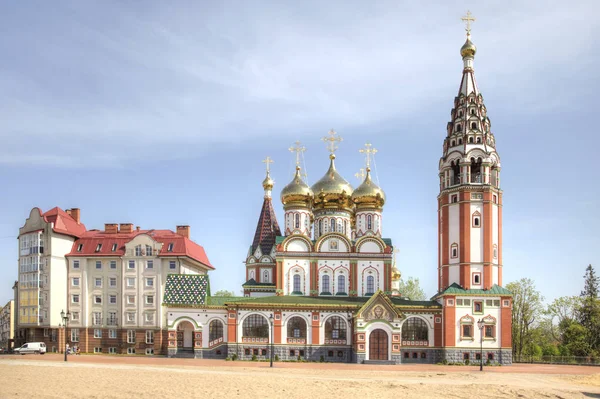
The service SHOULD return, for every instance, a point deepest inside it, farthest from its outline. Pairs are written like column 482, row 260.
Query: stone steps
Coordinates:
column 382, row 362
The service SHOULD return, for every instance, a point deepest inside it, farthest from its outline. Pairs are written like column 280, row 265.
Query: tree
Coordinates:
column 224, row 293
column 589, row 312
column 527, row 307
column 563, row 311
column 412, row 289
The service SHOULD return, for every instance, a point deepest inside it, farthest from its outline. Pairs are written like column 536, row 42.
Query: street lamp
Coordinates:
column 272, row 335
column 480, row 325
column 65, row 319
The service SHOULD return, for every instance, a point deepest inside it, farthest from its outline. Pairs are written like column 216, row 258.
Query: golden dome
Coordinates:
column 268, row 183
column 396, row 275
column 332, row 189
column 368, row 194
column 468, row 49
column 297, row 192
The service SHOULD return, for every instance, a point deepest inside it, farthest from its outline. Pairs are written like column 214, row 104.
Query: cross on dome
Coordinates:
column 298, row 149
column 369, row 151
column 268, row 161
column 468, row 19
column 331, row 140
column 360, row 175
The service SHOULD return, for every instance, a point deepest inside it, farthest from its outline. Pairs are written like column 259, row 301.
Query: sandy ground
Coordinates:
column 130, row 377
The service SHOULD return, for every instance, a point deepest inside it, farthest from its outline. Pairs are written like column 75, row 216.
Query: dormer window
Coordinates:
column 114, row 247
column 170, row 247
column 79, row 247
column 98, row 247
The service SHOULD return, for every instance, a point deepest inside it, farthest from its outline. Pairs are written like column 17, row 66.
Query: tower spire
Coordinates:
column 268, row 182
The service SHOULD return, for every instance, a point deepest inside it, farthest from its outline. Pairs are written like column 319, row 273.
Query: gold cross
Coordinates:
column 468, row 19
column 268, row 161
column 331, row 140
column 298, row 149
column 360, row 175
column 369, row 151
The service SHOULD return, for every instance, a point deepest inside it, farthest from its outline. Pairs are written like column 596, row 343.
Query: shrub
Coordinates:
column 322, row 359
column 467, row 362
column 227, row 359
column 445, row 361
column 254, row 358
column 276, row 358
column 234, row 356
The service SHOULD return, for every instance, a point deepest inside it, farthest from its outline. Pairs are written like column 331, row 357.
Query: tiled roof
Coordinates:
column 182, row 246
column 63, row 223
column 252, row 282
column 456, row 289
column 186, row 289
column 266, row 229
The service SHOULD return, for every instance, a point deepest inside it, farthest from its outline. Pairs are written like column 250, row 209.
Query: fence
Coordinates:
column 580, row 360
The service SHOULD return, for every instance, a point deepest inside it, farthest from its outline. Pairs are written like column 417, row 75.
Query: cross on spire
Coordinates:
column 268, row 161
column 360, row 175
column 298, row 149
column 331, row 140
column 468, row 19
column 369, row 151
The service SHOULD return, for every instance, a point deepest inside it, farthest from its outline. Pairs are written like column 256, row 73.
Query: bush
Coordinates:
column 234, row 357
column 276, row 358
column 322, row 359
column 254, row 358
column 299, row 358
column 227, row 359
column 467, row 362
column 445, row 361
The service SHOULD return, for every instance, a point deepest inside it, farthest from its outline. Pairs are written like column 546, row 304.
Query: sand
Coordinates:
column 109, row 377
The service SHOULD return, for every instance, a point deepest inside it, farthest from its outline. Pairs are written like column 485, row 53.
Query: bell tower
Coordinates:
column 470, row 199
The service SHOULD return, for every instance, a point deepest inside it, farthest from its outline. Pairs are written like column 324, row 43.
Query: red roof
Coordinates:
column 182, row 246
column 266, row 229
column 63, row 222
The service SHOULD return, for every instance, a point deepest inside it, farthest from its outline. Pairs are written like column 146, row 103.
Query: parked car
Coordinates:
column 39, row 348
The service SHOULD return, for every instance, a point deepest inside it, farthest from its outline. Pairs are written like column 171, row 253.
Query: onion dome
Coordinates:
column 332, row 189
column 468, row 49
column 396, row 275
column 297, row 192
column 368, row 194
column 268, row 183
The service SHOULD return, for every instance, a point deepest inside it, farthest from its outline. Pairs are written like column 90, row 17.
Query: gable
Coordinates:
column 379, row 307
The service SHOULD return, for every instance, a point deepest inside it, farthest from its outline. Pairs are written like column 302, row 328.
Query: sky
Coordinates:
column 159, row 114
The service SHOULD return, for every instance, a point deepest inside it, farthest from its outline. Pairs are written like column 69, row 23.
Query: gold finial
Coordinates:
column 369, row 151
column 360, row 175
column 268, row 161
column 467, row 19
column 331, row 140
column 298, row 149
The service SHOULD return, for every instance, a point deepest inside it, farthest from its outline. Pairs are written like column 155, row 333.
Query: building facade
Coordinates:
column 7, row 326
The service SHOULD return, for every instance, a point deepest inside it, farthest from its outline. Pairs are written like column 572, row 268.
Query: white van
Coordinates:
column 39, row 348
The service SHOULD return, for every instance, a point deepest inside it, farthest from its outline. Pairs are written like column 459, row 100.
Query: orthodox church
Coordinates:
column 324, row 287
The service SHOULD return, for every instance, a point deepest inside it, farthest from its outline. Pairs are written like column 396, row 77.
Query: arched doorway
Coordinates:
column 188, row 334
column 378, row 345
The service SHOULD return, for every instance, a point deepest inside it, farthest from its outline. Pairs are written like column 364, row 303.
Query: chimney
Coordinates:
column 111, row 228
column 68, row 212
column 126, row 228
column 75, row 214
column 183, row 231
column 137, row 228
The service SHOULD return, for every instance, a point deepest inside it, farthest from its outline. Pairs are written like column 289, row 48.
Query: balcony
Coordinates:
column 111, row 321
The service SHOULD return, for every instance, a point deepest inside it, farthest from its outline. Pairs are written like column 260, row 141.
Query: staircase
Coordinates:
column 378, row 362
column 185, row 353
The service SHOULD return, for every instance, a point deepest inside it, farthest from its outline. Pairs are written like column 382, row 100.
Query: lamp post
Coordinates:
column 272, row 335
column 480, row 326
column 65, row 318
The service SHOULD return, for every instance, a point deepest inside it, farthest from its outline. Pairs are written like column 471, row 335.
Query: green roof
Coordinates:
column 186, row 289
column 253, row 283
column 222, row 300
column 456, row 289
column 292, row 300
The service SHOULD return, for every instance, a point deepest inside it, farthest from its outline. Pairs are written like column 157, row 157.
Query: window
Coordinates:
column 256, row 326
column 454, row 249
column 149, row 299
column 467, row 302
column 370, row 285
column 112, row 281
column 467, row 331
column 320, row 226
column 489, row 330
column 112, row 334
column 494, row 199
column 97, row 318
column 478, row 141
column 488, row 302
column 149, row 336
column 471, row 140
column 474, row 126
column 75, row 335
column 131, row 299
column 476, row 278
column 459, row 302
column 369, row 222
column 497, row 303
column 98, row 247
column 296, row 327
column 131, row 264
column 458, row 128
column 476, row 219
column 75, row 281
column 75, row 298
column 131, row 351
column 171, row 264
column 415, row 329
column 112, row 317
column 149, row 282
column 490, row 356
column 341, row 285
column 149, row 250
column 454, row 199
column 97, row 333
column 98, row 282
column 335, row 328
column 477, row 307
column 465, row 356
column 79, row 247
column 170, row 247
column 97, row 299
column 98, row 264
column 76, row 263
column 297, row 284
column 215, row 330
column 266, row 278
column 75, row 316
column 149, row 351
column 495, row 251
column 149, row 264
column 325, row 284
column 131, row 316
column 149, row 317
column 114, row 247
column 112, row 351
column 131, row 336
column 297, row 221
column 112, row 299
column 97, row 349
column 113, row 264
column 506, row 303
column 138, row 250
column 130, row 281
column 332, row 226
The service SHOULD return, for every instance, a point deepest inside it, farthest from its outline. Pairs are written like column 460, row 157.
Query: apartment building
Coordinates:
column 7, row 325
column 111, row 283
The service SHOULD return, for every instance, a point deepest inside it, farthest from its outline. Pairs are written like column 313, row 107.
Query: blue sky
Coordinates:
column 159, row 113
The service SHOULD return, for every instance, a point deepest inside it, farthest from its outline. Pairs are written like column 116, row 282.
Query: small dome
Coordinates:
column 297, row 192
column 368, row 194
column 468, row 49
column 332, row 188
column 268, row 183
column 396, row 275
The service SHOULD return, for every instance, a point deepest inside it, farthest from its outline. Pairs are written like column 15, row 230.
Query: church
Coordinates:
column 324, row 286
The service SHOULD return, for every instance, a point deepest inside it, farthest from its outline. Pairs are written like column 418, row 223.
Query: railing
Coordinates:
column 581, row 360
column 111, row 321
column 97, row 322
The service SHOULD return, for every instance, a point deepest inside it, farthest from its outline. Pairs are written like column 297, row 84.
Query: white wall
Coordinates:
column 477, row 233
column 453, row 232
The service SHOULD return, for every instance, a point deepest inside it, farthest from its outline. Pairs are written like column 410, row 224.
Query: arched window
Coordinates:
column 458, row 128
column 414, row 329
column 341, row 285
column 460, row 114
column 455, row 172
column 476, row 170
column 470, row 139
column 251, row 275
column 297, row 284
column 345, row 226
column 474, row 126
column 459, row 141
column 335, row 328
column 325, row 284
column 454, row 250
column 266, row 278
column 332, row 223
column 495, row 251
column 370, row 285
column 472, row 111
column 215, row 330
column 296, row 327
column 320, row 227
column 297, row 220
column 369, row 222
column 256, row 326
column 452, row 143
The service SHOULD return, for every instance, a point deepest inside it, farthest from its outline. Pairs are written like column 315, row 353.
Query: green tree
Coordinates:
column 589, row 312
column 561, row 313
column 576, row 340
column 527, row 308
column 224, row 293
column 412, row 289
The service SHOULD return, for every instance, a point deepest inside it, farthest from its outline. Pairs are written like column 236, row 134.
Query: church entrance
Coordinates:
column 378, row 345
column 188, row 334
